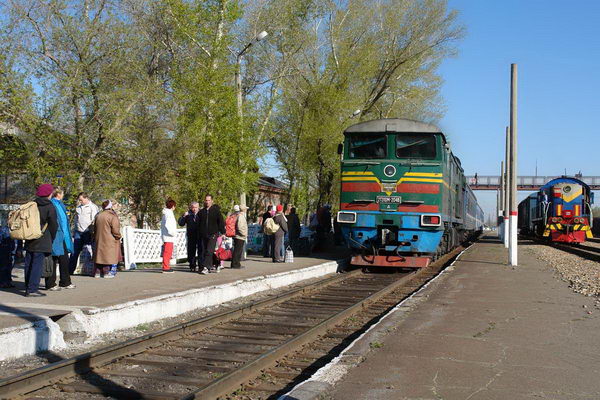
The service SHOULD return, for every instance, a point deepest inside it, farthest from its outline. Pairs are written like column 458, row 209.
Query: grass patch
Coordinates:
column 490, row 327
column 375, row 345
column 148, row 266
column 142, row 327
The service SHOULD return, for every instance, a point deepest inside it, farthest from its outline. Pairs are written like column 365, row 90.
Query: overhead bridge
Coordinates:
column 529, row 183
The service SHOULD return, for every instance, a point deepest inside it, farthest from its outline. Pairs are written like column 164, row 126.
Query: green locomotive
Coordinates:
column 404, row 198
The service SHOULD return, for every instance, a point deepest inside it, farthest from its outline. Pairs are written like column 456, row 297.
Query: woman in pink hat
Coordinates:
column 38, row 249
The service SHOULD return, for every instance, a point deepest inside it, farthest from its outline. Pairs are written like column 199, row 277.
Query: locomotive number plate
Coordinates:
column 389, row 199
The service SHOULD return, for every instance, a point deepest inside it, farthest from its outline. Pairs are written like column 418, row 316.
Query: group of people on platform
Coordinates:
column 205, row 228
column 62, row 246
column 58, row 248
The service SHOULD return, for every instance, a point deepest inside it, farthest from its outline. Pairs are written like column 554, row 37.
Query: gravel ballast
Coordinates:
column 582, row 275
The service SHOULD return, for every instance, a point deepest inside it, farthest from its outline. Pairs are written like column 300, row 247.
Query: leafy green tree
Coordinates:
column 380, row 58
column 215, row 146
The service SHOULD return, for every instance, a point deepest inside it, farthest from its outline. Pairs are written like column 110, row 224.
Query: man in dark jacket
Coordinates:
column 294, row 229
column 38, row 249
column 277, row 252
column 191, row 220
column 211, row 226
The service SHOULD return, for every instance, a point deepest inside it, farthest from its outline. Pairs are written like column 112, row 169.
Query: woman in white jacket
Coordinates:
column 168, row 231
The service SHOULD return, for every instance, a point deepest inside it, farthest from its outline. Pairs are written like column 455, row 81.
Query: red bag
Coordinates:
column 230, row 225
column 223, row 254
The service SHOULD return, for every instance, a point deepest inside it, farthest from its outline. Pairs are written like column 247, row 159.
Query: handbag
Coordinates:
column 289, row 255
column 48, row 268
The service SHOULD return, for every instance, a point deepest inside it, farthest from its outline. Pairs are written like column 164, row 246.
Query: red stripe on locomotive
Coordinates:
column 361, row 187
column 417, row 188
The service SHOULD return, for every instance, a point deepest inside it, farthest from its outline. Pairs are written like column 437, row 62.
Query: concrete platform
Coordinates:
column 99, row 306
column 482, row 330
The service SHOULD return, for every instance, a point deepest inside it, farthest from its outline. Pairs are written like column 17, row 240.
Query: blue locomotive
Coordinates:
column 560, row 211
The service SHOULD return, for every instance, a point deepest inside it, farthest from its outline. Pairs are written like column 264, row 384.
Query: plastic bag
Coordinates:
column 289, row 255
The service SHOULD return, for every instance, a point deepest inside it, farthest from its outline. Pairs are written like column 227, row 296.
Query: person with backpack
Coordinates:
column 266, row 249
column 211, row 226
column 239, row 233
column 85, row 214
column 41, row 247
column 278, row 250
column 61, row 246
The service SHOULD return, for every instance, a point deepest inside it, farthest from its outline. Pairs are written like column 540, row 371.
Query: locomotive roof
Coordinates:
column 393, row 125
column 564, row 179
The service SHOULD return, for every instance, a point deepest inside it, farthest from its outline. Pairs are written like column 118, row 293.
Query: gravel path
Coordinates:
column 582, row 275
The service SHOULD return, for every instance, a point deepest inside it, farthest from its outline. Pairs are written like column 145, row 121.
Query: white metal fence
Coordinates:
column 144, row 246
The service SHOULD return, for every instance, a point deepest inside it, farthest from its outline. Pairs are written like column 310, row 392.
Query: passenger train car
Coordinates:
column 404, row 197
column 559, row 211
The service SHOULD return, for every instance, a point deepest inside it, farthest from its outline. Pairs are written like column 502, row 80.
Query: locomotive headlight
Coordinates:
column 431, row 220
column 389, row 170
column 345, row 217
column 554, row 219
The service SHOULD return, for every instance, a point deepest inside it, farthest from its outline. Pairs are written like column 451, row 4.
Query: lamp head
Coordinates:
column 261, row 36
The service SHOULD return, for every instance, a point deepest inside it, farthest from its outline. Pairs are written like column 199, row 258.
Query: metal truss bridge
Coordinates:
column 528, row 183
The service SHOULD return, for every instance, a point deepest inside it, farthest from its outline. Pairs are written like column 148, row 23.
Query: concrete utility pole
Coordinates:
column 501, row 193
column 506, row 188
column 513, row 166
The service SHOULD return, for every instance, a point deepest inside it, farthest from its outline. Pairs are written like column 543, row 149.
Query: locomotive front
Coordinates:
column 391, row 192
column 565, row 204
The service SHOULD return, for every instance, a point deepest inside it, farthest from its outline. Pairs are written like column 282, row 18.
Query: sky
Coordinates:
column 556, row 46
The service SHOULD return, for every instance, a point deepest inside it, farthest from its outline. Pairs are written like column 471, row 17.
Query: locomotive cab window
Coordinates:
column 367, row 146
column 416, row 145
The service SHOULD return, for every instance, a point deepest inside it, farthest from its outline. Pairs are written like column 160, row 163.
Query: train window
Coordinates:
column 367, row 146
column 415, row 145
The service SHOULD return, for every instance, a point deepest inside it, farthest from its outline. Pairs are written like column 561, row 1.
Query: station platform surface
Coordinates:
column 487, row 331
column 93, row 293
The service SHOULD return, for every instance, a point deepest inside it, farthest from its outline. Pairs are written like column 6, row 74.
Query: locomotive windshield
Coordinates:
column 367, row 146
column 415, row 145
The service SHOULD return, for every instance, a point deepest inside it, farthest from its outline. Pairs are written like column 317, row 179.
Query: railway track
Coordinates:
column 255, row 351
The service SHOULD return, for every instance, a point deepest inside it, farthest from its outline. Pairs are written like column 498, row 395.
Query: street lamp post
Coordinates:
column 238, row 89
